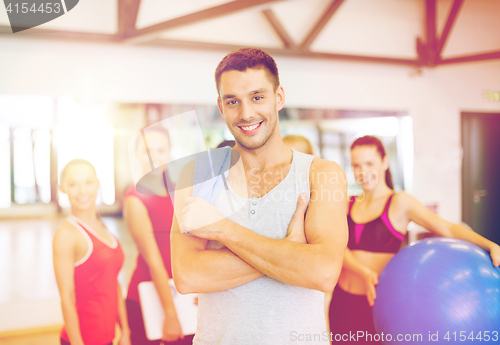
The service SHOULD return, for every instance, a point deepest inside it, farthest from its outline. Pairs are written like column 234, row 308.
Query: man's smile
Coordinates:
column 251, row 129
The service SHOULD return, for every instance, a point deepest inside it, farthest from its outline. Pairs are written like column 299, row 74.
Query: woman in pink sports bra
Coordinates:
column 377, row 223
column 87, row 259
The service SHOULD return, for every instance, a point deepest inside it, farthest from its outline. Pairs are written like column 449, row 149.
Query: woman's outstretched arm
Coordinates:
column 421, row 215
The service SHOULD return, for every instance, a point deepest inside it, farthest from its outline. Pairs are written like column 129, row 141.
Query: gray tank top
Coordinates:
column 264, row 311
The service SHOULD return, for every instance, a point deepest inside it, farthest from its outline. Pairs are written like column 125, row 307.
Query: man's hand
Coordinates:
column 296, row 231
column 198, row 218
column 172, row 330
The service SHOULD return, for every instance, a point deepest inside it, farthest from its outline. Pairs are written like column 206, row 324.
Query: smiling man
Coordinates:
column 261, row 270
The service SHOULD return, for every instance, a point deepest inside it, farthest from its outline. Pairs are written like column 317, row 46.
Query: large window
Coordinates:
column 39, row 135
column 5, row 191
column 25, row 144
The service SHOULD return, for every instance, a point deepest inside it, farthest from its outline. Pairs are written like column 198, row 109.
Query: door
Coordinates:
column 481, row 173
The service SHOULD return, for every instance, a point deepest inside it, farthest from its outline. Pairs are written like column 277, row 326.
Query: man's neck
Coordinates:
column 273, row 153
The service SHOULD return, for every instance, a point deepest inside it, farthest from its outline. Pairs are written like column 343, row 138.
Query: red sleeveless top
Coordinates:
column 161, row 212
column 96, row 287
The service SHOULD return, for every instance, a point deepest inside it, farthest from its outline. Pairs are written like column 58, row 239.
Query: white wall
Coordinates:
column 138, row 74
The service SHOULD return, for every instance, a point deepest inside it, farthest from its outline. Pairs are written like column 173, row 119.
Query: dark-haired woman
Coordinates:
column 148, row 214
column 87, row 259
column 377, row 223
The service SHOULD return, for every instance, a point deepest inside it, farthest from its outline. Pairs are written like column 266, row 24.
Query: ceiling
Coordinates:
column 411, row 32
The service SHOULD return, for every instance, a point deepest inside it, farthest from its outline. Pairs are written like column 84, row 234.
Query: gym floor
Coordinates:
column 30, row 311
column 43, row 338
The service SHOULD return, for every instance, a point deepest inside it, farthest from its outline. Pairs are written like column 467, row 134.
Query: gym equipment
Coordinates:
column 444, row 290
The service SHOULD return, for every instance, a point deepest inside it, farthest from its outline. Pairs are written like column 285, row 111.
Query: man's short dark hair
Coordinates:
column 244, row 58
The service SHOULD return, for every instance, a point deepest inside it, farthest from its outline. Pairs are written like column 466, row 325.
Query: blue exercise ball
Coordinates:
column 439, row 291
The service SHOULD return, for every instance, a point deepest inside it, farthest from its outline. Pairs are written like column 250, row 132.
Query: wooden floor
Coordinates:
column 29, row 298
column 51, row 338
column 39, row 336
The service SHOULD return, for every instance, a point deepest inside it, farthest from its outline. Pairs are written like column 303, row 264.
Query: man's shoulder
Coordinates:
column 320, row 165
column 326, row 175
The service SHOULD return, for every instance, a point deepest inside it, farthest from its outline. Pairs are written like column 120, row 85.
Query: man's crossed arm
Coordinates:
column 310, row 256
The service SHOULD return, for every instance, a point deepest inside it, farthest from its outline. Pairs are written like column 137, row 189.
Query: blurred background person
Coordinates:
column 298, row 143
column 377, row 222
column 148, row 215
column 225, row 143
column 87, row 259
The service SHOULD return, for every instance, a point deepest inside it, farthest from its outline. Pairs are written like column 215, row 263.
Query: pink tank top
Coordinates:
column 161, row 212
column 96, row 287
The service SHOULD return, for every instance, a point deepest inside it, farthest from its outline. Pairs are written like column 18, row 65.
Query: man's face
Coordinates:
column 250, row 106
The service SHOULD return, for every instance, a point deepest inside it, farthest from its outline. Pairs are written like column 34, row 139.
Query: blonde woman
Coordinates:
column 87, row 259
column 298, row 143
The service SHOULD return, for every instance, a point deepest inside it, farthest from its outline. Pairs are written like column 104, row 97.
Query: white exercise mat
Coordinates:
column 154, row 316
